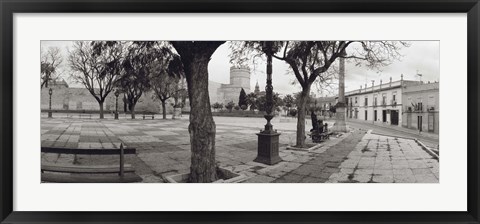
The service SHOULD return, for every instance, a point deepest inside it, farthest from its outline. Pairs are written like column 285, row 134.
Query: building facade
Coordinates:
column 378, row 103
column 421, row 107
column 323, row 105
column 405, row 103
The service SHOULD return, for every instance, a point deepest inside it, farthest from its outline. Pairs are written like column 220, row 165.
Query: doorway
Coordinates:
column 419, row 123
column 431, row 123
column 394, row 117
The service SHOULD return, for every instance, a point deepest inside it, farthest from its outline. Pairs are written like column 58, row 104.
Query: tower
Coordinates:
column 257, row 88
column 240, row 77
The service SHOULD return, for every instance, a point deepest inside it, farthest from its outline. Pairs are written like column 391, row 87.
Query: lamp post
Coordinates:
column 50, row 91
column 268, row 139
column 116, row 104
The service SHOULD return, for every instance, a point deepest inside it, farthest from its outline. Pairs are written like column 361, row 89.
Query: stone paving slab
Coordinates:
column 382, row 159
column 163, row 148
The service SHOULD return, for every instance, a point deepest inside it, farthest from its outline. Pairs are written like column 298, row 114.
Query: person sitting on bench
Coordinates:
column 320, row 126
column 314, row 120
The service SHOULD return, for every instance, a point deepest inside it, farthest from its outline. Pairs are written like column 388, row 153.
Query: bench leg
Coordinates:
column 122, row 161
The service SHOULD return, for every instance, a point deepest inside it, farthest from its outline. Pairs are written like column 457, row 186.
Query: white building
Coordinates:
column 378, row 103
column 421, row 107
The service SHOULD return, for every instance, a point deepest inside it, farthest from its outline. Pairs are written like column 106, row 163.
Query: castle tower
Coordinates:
column 240, row 77
column 257, row 88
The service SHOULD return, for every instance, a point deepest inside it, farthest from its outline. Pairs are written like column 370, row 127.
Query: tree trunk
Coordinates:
column 202, row 126
column 195, row 57
column 132, row 111
column 100, row 104
column 302, row 108
column 125, row 108
column 164, row 110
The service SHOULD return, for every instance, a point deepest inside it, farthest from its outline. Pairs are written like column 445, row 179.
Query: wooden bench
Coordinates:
column 96, row 173
column 85, row 115
column 153, row 116
column 321, row 134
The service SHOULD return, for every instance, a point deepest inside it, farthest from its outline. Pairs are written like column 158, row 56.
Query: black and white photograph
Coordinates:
column 239, row 111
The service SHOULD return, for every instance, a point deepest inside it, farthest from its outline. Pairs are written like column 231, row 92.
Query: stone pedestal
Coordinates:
column 116, row 115
column 49, row 114
column 340, row 125
column 267, row 152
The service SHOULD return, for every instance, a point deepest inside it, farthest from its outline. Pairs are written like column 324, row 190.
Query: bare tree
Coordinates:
column 166, row 80
column 50, row 61
column 195, row 56
column 96, row 65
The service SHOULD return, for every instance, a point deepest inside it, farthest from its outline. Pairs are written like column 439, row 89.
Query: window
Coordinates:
column 356, row 100
column 366, row 101
column 375, row 101
column 420, row 106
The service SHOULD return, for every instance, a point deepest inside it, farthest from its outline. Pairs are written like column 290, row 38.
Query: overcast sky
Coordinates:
column 421, row 56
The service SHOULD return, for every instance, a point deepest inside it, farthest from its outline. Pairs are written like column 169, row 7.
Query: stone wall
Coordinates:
column 81, row 99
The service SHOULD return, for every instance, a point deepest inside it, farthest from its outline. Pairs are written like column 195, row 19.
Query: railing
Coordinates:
column 394, row 103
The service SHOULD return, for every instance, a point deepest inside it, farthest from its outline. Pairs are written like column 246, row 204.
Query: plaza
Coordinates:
column 163, row 149
column 218, row 130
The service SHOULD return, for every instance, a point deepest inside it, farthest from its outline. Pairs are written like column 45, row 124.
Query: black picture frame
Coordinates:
column 9, row 7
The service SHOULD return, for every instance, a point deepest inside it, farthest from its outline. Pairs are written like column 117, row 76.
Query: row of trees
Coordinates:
column 252, row 101
column 132, row 68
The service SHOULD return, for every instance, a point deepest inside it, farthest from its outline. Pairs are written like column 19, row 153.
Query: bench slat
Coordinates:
column 61, row 178
column 86, row 169
column 87, row 151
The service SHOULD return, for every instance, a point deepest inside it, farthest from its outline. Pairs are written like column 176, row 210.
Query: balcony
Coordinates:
column 393, row 103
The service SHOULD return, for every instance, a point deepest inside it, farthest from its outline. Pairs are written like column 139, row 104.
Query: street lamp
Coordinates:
column 117, row 93
column 268, row 139
column 50, row 91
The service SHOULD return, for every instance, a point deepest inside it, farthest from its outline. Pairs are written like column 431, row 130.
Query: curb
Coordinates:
column 428, row 150
column 424, row 147
column 393, row 136
column 304, row 149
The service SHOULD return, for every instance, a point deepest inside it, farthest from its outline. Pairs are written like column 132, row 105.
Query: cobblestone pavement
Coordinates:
column 321, row 167
column 163, row 146
column 163, row 149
